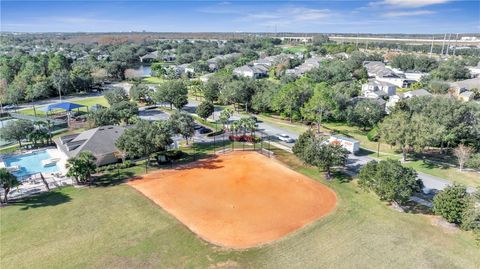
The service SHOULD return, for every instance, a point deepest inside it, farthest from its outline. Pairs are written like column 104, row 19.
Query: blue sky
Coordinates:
column 374, row 16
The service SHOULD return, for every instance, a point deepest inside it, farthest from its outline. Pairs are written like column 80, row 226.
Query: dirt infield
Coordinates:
column 238, row 200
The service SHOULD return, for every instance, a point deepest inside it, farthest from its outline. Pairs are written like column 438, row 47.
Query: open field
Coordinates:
column 87, row 101
column 242, row 199
column 114, row 227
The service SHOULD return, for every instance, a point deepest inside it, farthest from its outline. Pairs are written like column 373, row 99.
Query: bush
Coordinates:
column 174, row 154
column 451, row 203
column 128, row 164
column 373, row 135
column 244, row 138
column 473, row 161
column 215, row 133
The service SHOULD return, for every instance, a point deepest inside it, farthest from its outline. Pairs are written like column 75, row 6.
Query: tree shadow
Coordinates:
column 210, row 163
column 341, row 177
column 416, row 208
column 51, row 198
column 112, row 178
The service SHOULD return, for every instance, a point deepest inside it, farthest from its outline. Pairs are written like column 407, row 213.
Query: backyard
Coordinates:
column 115, row 226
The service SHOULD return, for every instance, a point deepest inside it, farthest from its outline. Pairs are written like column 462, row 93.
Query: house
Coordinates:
column 306, row 66
column 149, row 57
column 168, row 58
column 378, row 89
column 394, row 99
column 99, row 141
column 265, row 62
column 380, row 72
column 416, row 93
column 251, row 71
column 349, row 144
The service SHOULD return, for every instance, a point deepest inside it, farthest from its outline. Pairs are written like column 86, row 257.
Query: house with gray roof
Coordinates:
column 251, row 71
column 375, row 89
column 99, row 141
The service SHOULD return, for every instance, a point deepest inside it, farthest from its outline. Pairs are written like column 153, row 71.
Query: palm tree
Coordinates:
column 82, row 167
column 7, row 181
column 225, row 116
column 48, row 124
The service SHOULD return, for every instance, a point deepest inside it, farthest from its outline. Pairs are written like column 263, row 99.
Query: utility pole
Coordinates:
column 431, row 47
column 443, row 43
column 356, row 43
column 455, row 46
column 448, row 44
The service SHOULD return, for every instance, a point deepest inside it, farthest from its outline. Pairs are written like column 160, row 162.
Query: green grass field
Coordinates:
column 153, row 80
column 87, row 101
column 117, row 227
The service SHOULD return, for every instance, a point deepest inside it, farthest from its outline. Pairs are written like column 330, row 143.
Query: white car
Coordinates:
column 285, row 138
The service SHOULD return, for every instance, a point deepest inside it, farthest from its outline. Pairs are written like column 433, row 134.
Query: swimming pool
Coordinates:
column 30, row 163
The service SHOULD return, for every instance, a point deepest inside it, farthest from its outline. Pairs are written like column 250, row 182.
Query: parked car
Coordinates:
column 285, row 138
column 204, row 130
column 197, row 127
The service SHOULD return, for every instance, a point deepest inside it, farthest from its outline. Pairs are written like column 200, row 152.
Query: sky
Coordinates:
column 334, row 16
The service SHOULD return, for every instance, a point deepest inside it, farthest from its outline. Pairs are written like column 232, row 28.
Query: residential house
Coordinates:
column 99, row 141
column 251, row 71
column 394, row 99
column 379, row 71
column 463, row 89
column 378, row 89
column 149, row 57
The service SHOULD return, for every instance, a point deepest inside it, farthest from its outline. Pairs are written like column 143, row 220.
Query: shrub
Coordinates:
column 451, row 203
column 373, row 135
column 244, row 138
column 128, row 164
column 174, row 154
column 215, row 133
column 473, row 161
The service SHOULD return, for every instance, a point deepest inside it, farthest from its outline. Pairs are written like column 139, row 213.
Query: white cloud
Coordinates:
column 409, row 3
column 288, row 16
column 408, row 13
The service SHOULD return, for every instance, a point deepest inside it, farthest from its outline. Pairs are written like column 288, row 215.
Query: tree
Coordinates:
column 405, row 130
column 16, row 130
column 125, row 110
column 116, row 95
column 324, row 155
column 172, row 92
column 144, row 139
column 61, row 81
column 211, row 89
column 365, row 114
column 225, row 116
column 140, row 93
column 81, row 77
column 318, row 105
column 105, row 116
column 462, row 153
column 7, row 181
column 451, row 203
column 82, row 167
column 205, row 109
column 451, row 70
column 389, row 180
column 38, row 135
column 182, row 123
column 303, row 141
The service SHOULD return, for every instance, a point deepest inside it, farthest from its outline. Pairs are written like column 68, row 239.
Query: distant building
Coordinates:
column 380, row 72
column 149, row 57
column 99, row 141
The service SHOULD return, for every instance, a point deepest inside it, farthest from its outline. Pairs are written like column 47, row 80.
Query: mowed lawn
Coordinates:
column 87, row 101
column 117, row 227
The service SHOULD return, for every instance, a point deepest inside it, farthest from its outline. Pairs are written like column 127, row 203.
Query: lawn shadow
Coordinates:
column 364, row 152
column 210, row 163
column 341, row 177
column 52, row 198
column 112, row 178
column 416, row 208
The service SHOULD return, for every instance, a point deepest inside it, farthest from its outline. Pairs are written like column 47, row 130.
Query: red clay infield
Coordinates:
column 238, row 200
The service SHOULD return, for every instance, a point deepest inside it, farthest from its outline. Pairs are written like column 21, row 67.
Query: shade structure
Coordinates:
column 64, row 105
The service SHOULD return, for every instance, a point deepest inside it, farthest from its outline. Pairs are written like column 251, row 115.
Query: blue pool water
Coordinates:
column 30, row 163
